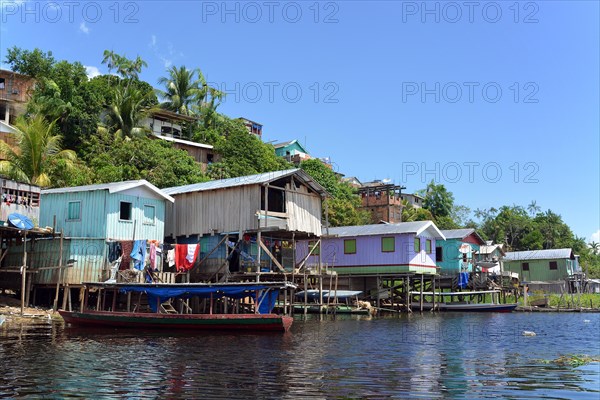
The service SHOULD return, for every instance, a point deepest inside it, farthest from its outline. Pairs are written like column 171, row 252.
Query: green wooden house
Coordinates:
column 542, row 265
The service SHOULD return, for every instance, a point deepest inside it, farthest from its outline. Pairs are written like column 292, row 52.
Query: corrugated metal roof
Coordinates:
column 257, row 179
column 186, row 142
column 548, row 254
column 113, row 187
column 461, row 233
column 488, row 249
column 386, row 229
column 457, row 233
column 283, row 144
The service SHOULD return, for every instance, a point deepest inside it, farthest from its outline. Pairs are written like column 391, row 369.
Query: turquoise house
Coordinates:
column 292, row 151
column 90, row 217
column 457, row 252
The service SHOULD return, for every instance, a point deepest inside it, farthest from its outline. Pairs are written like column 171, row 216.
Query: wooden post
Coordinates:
column 210, row 309
column 99, row 294
column 82, row 297
column 421, row 294
column 258, row 254
column 433, row 291
column 69, row 299
column 128, row 301
column 408, row 305
column 65, row 290
column 114, row 301
column 60, row 272
column 24, row 273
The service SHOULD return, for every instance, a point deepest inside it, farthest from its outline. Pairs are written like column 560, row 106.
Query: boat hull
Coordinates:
column 332, row 310
column 478, row 307
column 238, row 322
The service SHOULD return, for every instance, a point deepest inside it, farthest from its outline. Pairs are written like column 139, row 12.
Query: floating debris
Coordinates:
column 572, row 360
column 528, row 333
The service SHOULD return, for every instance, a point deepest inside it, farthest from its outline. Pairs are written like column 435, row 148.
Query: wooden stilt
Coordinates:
column 421, row 294
column 24, row 273
column 60, row 273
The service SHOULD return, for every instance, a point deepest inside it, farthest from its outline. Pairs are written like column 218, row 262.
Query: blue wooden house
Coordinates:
column 90, row 217
column 457, row 252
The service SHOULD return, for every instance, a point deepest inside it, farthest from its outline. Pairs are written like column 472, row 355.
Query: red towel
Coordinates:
column 185, row 256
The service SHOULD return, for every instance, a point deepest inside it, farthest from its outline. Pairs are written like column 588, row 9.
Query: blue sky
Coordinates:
column 499, row 101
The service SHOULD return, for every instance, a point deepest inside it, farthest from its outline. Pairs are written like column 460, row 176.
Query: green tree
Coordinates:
column 594, row 247
column 117, row 158
column 37, row 148
column 34, row 63
column 243, row 153
column 126, row 111
column 344, row 206
column 411, row 213
column 438, row 200
column 182, row 89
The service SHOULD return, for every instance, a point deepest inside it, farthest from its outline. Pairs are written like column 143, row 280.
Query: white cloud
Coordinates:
column 84, row 28
column 92, row 71
column 165, row 57
column 595, row 237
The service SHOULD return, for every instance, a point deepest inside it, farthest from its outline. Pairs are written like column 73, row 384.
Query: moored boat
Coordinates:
column 220, row 306
column 471, row 304
column 334, row 302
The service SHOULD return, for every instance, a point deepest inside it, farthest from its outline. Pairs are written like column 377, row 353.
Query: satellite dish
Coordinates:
column 20, row 221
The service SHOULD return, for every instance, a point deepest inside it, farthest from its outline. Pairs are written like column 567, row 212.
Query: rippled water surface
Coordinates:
column 430, row 356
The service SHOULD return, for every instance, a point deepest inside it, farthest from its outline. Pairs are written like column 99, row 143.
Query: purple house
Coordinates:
column 374, row 250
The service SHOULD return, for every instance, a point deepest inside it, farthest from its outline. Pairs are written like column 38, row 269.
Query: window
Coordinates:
column 525, row 266
column 553, row 265
column 388, row 244
column 428, row 246
column 210, row 158
column 2, row 83
column 439, row 254
column 74, row 211
column 149, row 214
column 317, row 250
column 350, row 246
column 125, row 211
column 417, row 245
column 465, row 258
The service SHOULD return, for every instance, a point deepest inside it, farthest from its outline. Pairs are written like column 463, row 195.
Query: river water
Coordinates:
column 452, row 355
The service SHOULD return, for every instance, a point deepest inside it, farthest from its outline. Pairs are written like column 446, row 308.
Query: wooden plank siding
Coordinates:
column 87, row 256
column 118, row 229
column 370, row 258
column 92, row 223
column 223, row 210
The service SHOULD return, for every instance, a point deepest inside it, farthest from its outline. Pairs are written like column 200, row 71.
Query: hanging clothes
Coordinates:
column 138, row 254
column 185, row 256
column 463, row 279
column 115, row 250
column 153, row 256
column 127, row 247
column 171, row 257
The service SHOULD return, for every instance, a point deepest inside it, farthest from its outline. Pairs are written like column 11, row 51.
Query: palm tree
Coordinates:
column 126, row 111
column 594, row 246
column 37, row 147
column 533, row 208
column 183, row 89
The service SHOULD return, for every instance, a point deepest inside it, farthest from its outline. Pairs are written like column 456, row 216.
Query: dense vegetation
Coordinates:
column 79, row 131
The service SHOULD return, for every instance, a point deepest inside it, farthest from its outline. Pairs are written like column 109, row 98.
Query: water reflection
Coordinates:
column 428, row 356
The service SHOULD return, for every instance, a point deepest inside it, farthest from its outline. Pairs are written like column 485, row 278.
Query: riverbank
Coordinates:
column 10, row 310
